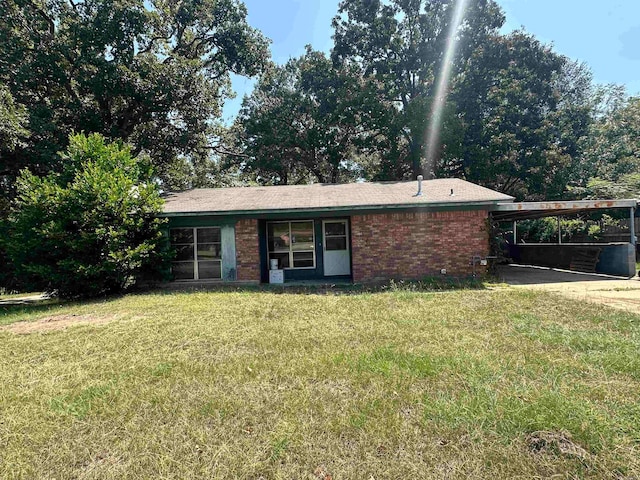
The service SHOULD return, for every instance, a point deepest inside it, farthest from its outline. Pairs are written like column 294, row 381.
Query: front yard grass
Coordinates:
column 261, row 385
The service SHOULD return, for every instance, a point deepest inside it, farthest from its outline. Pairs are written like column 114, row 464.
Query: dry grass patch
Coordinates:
column 468, row 384
column 56, row 322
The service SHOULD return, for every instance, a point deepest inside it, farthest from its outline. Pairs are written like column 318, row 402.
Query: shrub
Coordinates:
column 90, row 230
column 543, row 230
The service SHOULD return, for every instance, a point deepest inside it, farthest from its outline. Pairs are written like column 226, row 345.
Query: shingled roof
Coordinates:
column 323, row 197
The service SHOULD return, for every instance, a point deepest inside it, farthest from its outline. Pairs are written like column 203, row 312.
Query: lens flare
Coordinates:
column 442, row 89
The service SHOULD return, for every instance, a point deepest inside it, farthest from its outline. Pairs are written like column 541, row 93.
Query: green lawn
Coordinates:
column 267, row 385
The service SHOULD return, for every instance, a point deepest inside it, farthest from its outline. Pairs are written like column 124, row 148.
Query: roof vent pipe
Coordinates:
column 419, row 193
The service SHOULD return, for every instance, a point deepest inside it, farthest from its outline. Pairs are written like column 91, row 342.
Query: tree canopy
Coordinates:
column 518, row 116
column 515, row 111
column 153, row 73
column 306, row 121
column 402, row 43
column 523, row 110
column 13, row 122
column 610, row 160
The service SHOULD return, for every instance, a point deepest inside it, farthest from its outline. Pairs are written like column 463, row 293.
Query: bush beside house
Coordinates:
column 90, row 230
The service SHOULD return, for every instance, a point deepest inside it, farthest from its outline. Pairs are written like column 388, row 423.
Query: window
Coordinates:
column 292, row 244
column 198, row 253
column 335, row 236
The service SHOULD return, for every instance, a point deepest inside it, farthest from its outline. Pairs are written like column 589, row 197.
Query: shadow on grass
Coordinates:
column 326, row 288
column 298, row 288
column 49, row 304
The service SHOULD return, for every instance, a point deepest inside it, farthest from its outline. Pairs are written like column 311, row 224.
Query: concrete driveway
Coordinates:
column 617, row 292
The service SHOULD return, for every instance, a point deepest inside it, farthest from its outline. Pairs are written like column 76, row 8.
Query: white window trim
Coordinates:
column 291, row 251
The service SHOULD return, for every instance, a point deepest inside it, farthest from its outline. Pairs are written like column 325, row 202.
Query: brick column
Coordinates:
column 247, row 251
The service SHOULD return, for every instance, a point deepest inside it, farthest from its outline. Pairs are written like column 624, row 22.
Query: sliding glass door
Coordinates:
column 198, row 253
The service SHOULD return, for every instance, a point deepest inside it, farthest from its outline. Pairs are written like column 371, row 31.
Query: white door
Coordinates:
column 335, row 242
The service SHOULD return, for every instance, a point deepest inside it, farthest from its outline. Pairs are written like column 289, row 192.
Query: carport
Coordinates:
column 617, row 258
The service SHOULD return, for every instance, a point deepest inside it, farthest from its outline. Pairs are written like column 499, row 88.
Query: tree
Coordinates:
column 13, row 130
column 610, row 164
column 515, row 113
column 401, row 43
column 91, row 229
column 305, row 121
column 152, row 73
column 523, row 109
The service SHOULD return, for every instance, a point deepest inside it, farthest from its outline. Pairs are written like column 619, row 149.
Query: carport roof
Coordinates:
column 529, row 210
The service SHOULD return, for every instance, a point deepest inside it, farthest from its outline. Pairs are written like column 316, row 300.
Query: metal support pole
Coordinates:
column 559, row 231
column 632, row 226
column 515, row 232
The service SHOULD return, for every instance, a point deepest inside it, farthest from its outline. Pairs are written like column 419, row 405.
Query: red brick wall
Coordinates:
column 415, row 245
column 247, row 251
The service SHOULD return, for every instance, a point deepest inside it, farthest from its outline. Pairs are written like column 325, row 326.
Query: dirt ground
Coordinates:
column 616, row 292
column 56, row 322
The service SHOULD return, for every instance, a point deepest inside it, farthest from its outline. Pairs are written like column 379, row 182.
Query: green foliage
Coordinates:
column 7, row 272
column 151, row 73
column 538, row 230
column 518, row 117
column 514, row 118
column 610, row 164
column 13, row 131
column 618, row 186
column 90, row 230
column 13, row 121
column 524, row 110
column 545, row 230
column 301, row 123
column 402, row 44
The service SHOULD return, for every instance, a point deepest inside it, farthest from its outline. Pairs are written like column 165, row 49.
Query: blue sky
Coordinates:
column 603, row 33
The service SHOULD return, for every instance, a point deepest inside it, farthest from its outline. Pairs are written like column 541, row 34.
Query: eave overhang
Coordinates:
column 342, row 210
